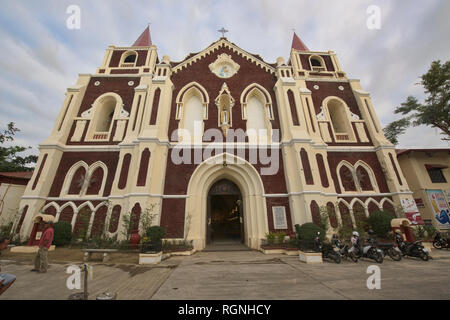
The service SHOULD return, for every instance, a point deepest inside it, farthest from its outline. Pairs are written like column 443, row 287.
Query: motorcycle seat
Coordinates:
column 385, row 245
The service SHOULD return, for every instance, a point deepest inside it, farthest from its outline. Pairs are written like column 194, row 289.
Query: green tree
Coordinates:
column 394, row 129
column 9, row 159
column 433, row 112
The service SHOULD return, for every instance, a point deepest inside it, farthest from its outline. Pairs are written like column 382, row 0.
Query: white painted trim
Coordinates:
column 268, row 195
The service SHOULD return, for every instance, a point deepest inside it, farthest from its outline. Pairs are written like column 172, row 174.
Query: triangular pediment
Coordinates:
column 222, row 42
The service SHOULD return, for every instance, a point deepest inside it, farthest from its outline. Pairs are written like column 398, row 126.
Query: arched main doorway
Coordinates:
column 246, row 177
column 225, row 222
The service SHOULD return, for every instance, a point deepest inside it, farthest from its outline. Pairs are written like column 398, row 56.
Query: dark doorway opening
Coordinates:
column 225, row 221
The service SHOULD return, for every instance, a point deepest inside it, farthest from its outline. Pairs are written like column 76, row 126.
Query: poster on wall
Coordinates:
column 411, row 212
column 439, row 208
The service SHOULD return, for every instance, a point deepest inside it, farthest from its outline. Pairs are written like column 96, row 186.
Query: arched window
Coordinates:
column 81, row 227
column 293, row 108
column 347, row 179
column 359, row 213
column 95, row 181
column 82, row 179
column 128, row 59
column 315, row 212
column 363, row 178
column 332, row 215
column 256, row 106
column 98, row 224
column 101, row 116
column 193, row 118
column 387, row 206
column 345, row 215
column 360, row 179
column 372, row 207
column 317, row 63
column 105, row 114
column 135, row 218
column 155, row 106
column 143, row 168
column 66, row 214
column 306, row 167
column 256, row 123
column 114, row 219
column 124, row 171
column 340, row 120
column 192, row 109
column 78, row 181
column 322, row 170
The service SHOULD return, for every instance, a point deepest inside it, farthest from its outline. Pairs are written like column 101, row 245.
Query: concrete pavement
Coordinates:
column 240, row 275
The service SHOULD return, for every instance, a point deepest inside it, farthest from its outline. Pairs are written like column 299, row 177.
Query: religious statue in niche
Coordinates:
column 224, row 103
column 224, row 67
column 224, row 72
column 224, row 117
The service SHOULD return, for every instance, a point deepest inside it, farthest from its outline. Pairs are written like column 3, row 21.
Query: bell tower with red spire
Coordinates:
column 141, row 57
column 144, row 39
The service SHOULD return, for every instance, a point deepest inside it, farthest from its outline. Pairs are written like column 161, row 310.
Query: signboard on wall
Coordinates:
column 411, row 211
column 439, row 208
column 279, row 218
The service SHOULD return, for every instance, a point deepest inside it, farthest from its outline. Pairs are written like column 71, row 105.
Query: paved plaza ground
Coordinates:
column 237, row 275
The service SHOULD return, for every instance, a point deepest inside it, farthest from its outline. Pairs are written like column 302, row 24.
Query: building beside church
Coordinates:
column 147, row 135
column 12, row 187
column 428, row 175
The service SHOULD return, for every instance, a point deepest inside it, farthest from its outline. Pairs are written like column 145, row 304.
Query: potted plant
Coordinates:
column 151, row 245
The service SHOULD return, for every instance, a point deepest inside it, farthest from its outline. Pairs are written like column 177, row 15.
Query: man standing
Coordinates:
column 41, row 260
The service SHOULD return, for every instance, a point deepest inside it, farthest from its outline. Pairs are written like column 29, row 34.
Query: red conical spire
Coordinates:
column 144, row 39
column 298, row 44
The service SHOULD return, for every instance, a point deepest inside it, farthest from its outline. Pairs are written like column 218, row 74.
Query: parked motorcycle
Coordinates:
column 343, row 249
column 412, row 249
column 327, row 250
column 439, row 242
column 390, row 250
column 369, row 250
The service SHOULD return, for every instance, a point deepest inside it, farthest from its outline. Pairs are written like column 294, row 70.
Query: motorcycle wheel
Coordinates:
column 424, row 256
column 337, row 258
column 378, row 257
column 437, row 245
column 394, row 254
column 353, row 257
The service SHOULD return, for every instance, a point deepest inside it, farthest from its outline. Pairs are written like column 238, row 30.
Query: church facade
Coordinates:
column 219, row 145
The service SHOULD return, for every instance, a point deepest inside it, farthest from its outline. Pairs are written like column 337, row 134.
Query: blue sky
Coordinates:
column 40, row 57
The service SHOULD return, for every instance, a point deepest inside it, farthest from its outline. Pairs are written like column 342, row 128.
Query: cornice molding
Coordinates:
column 215, row 46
